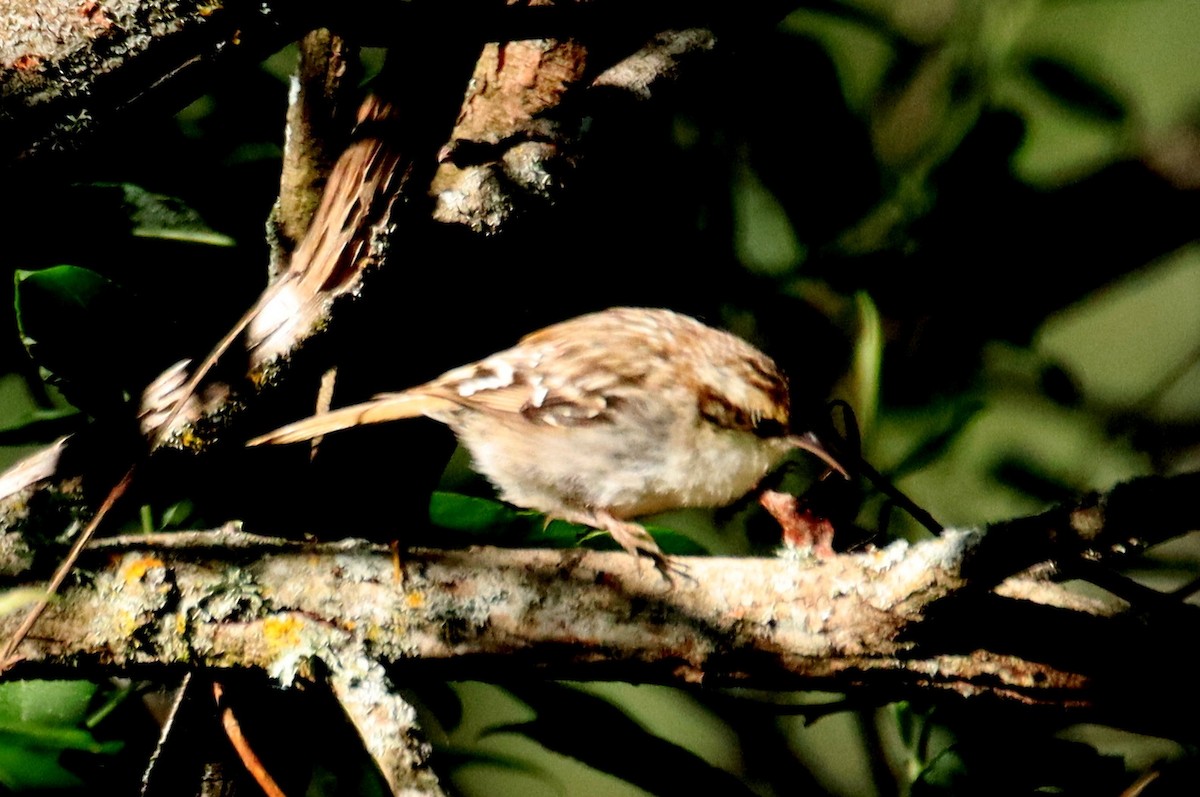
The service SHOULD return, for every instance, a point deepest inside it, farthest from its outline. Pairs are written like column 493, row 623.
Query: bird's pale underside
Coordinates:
column 606, row 417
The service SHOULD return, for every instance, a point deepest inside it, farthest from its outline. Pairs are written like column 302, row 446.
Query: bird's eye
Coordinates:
column 769, row 427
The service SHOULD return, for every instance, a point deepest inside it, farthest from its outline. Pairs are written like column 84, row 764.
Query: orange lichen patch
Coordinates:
column 283, row 630
column 138, row 567
column 26, row 62
column 94, row 13
column 414, row 600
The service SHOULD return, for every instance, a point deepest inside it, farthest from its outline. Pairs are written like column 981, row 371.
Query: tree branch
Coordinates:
column 900, row 622
column 837, row 619
column 67, row 68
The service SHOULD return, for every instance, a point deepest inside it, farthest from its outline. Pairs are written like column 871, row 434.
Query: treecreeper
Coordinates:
column 606, row 417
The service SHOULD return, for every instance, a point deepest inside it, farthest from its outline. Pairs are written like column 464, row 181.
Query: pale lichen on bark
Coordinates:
column 829, row 623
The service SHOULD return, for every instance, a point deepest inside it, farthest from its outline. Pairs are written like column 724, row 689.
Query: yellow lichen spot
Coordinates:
column 138, row 567
column 282, row 630
column 415, row 600
column 127, row 624
column 189, row 441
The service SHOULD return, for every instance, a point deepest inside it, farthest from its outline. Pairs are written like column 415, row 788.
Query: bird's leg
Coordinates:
column 631, row 536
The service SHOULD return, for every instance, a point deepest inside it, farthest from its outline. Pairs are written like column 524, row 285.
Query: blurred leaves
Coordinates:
column 99, row 334
column 466, row 513
column 17, row 598
column 78, row 327
column 868, row 363
column 1075, row 89
column 938, row 440
column 159, row 216
column 612, row 742
column 40, row 425
column 1013, row 767
column 39, row 720
column 458, row 757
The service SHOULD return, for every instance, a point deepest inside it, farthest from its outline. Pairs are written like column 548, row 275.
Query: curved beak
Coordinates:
column 812, row 445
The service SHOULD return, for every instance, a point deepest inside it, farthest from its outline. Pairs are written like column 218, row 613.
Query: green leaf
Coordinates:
column 441, row 700
column 484, row 517
column 467, row 513
column 38, row 721
column 40, row 426
column 945, row 774
column 84, row 329
column 1075, row 89
column 62, row 703
column 124, row 210
column 177, row 514
column 671, row 542
column 763, row 237
column 112, row 700
column 1022, row 474
column 1034, row 764
column 159, row 216
column 926, row 451
column 19, row 597
column 458, row 757
column 597, row 733
column 22, row 769
column 49, row 737
column 868, row 361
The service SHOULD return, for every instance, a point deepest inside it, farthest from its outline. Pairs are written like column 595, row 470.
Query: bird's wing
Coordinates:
column 555, row 383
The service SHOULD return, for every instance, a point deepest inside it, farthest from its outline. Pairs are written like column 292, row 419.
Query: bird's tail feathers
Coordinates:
column 385, row 407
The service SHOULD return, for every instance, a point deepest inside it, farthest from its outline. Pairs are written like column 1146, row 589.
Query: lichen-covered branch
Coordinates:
column 171, row 599
column 387, row 724
column 67, row 68
column 897, row 622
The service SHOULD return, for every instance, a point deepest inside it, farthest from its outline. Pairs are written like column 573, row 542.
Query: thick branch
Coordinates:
column 486, row 612
column 518, row 135
column 892, row 623
column 68, row 67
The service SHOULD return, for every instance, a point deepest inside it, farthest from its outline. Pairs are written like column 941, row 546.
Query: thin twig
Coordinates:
column 8, row 654
column 241, row 746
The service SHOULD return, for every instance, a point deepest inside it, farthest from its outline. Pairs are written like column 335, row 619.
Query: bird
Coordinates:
column 606, row 417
